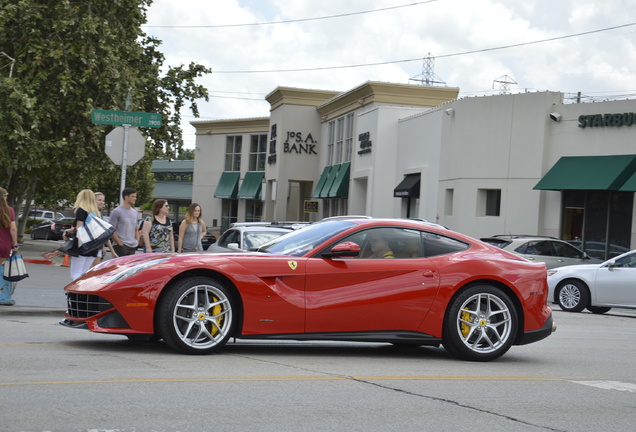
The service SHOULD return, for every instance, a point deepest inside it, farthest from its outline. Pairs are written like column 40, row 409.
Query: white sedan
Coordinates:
column 597, row 287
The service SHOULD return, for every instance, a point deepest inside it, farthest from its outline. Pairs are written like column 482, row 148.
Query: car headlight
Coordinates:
column 133, row 270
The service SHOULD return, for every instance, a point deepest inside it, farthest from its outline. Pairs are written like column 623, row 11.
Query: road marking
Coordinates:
column 293, row 378
column 610, row 385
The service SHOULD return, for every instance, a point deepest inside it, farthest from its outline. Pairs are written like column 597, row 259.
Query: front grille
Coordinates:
column 85, row 305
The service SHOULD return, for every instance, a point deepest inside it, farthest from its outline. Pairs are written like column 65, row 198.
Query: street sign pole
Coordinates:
column 124, row 164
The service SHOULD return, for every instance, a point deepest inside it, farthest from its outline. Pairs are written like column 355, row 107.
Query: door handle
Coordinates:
column 429, row 274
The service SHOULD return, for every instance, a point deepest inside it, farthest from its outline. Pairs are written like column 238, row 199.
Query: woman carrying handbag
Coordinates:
column 8, row 244
column 85, row 204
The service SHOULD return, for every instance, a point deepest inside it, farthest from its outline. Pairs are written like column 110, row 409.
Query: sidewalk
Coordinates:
column 32, row 251
column 42, row 293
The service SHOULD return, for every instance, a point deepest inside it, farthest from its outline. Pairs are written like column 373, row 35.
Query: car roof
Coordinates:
column 521, row 236
column 259, row 228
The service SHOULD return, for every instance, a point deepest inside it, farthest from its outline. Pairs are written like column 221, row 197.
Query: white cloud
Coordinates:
column 601, row 63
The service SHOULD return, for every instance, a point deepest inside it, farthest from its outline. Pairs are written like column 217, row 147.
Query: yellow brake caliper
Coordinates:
column 216, row 310
column 465, row 316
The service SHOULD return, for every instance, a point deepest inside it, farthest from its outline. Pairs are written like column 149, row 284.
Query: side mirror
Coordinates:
column 233, row 246
column 343, row 250
column 611, row 265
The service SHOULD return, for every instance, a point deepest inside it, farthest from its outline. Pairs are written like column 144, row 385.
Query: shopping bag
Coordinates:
column 14, row 268
column 93, row 233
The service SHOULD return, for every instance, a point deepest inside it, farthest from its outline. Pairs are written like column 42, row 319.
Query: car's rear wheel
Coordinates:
column 572, row 296
column 598, row 309
column 481, row 324
column 196, row 315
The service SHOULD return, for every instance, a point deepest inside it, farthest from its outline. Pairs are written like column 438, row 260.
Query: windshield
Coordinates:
column 255, row 239
column 303, row 240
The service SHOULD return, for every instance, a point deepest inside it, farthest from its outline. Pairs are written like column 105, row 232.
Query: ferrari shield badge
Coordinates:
column 292, row 264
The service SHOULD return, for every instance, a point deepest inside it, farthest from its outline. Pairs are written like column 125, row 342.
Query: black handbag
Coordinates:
column 69, row 248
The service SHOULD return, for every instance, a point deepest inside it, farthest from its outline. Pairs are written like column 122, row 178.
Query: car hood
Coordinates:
column 580, row 267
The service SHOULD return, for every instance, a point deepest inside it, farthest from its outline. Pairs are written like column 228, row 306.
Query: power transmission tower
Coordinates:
column 504, row 84
column 428, row 77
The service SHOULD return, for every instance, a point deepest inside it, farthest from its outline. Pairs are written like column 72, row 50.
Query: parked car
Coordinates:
column 51, row 229
column 40, row 215
column 316, row 284
column 246, row 237
column 596, row 249
column 595, row 287
column 553, row 252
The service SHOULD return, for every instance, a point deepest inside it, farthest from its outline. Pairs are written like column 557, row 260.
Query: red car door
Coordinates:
column 360, row 294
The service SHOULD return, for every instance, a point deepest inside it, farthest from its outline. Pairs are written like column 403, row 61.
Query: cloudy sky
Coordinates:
column 254, row 46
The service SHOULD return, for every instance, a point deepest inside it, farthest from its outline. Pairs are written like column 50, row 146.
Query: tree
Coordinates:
column 62, row 59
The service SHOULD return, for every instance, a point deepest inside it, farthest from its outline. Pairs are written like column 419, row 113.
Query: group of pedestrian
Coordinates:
column 156, row 233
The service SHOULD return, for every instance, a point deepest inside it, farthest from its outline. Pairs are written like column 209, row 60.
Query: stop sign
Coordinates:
column 115, row 145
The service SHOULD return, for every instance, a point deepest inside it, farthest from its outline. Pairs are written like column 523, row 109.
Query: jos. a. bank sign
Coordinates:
column 607, row 120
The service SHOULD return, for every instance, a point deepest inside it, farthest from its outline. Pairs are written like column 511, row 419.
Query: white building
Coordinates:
column 522, row 164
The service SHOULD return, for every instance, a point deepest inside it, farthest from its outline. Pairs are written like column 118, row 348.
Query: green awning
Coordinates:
column 251, row 186
column 630, row 184
column 321, row 182
column 324, row 193
column 589, row 173
column 340, row 186
column 228, row 185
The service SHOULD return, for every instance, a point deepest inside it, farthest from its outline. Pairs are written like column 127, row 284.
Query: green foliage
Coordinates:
column 71, row 57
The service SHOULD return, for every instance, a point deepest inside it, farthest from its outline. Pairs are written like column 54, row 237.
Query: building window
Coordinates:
column 174, row 177
column 330, row 143
column 339, row 140
column 258, row 152
column 335, row 207
column 229, row 213
column 233, row 153
column 489, row 202
column 348, row 138
column 253, row 211
column 448, row 202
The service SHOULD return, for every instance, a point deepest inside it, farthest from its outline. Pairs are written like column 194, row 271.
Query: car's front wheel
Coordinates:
column 572, row 296
column 196, row 315
column 481, row 324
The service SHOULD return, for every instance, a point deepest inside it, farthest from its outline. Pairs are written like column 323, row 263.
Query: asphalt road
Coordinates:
column 58, row 379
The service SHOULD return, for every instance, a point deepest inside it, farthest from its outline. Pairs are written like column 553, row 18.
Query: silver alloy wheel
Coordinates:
column 570, row 296
column 202, row 316
column 484, row 323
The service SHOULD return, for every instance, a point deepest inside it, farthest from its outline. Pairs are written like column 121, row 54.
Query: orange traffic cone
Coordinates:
column 65, row 263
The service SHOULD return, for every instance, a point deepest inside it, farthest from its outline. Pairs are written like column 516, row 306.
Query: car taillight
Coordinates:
column 52, row 226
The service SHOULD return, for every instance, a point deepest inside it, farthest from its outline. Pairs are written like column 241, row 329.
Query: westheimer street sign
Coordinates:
column 137, row 119
column 130, row 121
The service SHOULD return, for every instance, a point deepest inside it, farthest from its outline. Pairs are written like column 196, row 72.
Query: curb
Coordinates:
column 38, row 261
column 31, row 310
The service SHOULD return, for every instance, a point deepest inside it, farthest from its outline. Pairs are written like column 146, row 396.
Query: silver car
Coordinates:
column 595, row 287
column 553, row 252
column 244, row 238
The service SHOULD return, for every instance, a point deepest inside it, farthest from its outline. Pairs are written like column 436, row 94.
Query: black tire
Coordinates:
column 572, row 295
column 481, row 324
column 598, row 309
column 196, row 315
